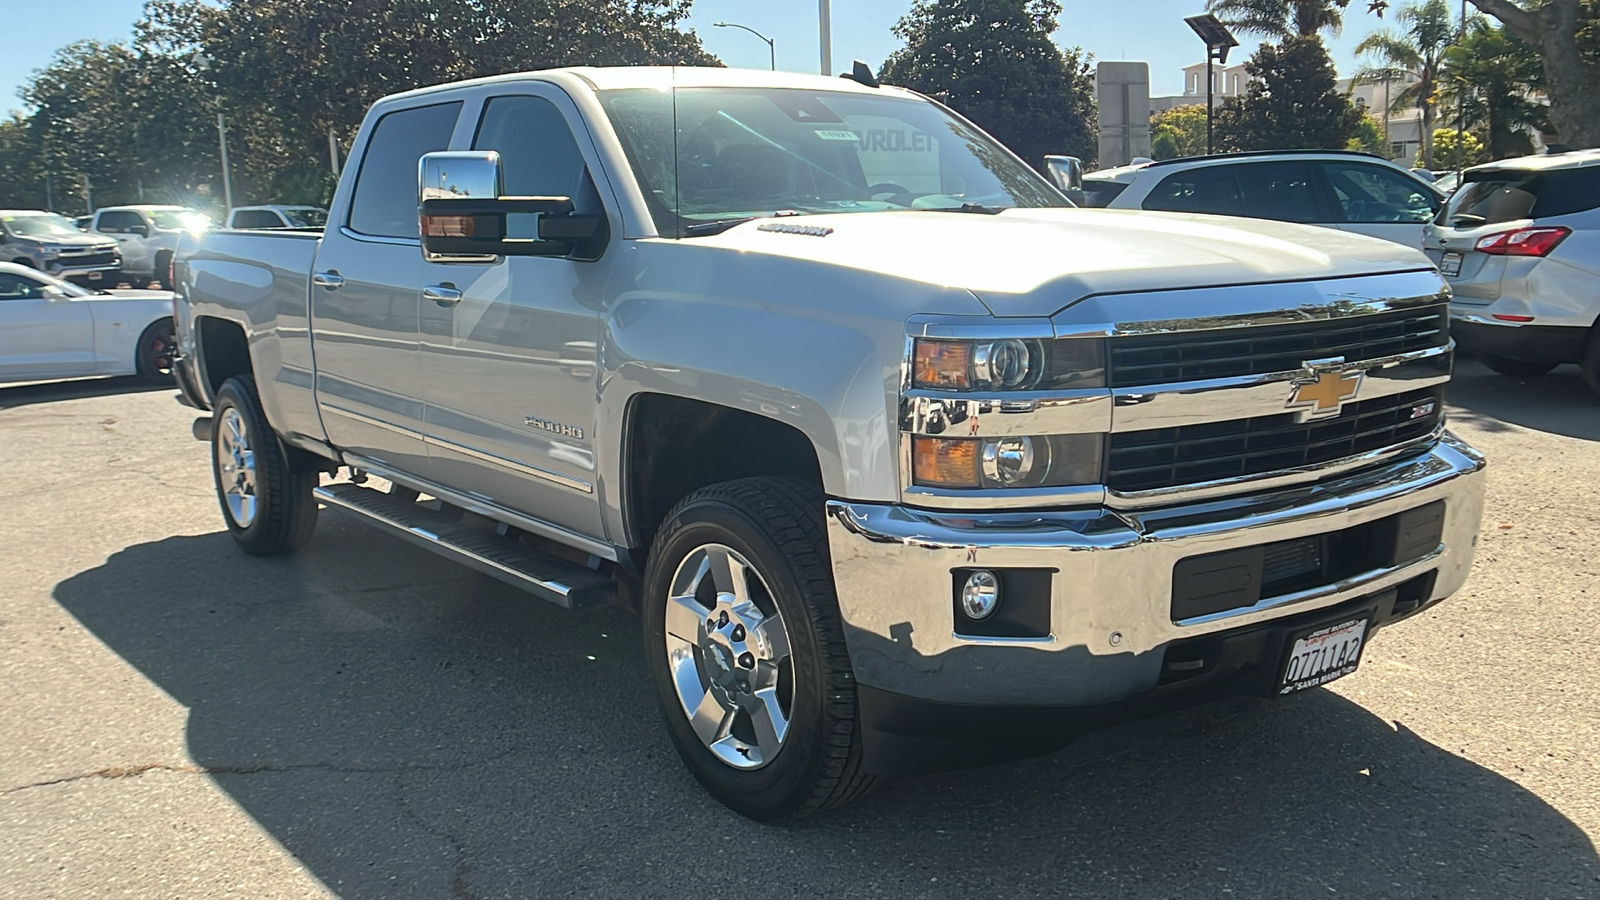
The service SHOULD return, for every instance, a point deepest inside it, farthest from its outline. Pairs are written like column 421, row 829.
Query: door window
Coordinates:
column 1207, row 189
column 385, row 201
column 19, row 287
column 256, row 218
column 538, row 155
column 1280, row 191
column 119, row 222
column 1373, row 194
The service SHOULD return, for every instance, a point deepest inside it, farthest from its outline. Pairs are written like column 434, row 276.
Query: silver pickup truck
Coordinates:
column 903, row 461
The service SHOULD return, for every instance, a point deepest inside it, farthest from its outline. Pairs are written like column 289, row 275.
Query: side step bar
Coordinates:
column 560, row 581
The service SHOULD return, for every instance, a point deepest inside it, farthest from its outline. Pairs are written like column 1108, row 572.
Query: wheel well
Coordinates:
column 224, row 351
column 24, row 261
column 676, row 446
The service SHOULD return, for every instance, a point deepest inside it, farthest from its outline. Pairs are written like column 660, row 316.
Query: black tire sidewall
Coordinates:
column 280, row 525
column 144, row 361
column 782, row 785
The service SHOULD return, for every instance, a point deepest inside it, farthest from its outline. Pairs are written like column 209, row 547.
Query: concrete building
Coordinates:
column 1402, row 127
column 1227, row 81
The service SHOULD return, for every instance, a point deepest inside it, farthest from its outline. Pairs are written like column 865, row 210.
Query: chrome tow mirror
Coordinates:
column 464, row 218
column 1066, row 173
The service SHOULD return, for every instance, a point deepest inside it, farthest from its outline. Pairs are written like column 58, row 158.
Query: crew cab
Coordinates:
column 903, row 461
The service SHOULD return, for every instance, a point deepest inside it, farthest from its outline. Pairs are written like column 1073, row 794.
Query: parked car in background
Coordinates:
column 903, row 461
column 1349, row 191
column 52, row 243
column 310, row 218
column 147, row 236
column 1519, row 243
column 50, row 328
column 1446, row 181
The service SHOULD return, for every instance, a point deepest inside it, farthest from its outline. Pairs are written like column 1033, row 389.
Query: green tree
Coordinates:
column 993, row 61
column 1417, row 47
column 1292, row 102
column 1492, row 76
column 1450, row 151
column 1277, row 19
column 1369, row 137
column 1179, row 131
column 1567, row 34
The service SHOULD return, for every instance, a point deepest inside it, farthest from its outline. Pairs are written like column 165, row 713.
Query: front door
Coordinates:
column 509, row 355
column 132, row 234
column 365, row 292
column 42, row 337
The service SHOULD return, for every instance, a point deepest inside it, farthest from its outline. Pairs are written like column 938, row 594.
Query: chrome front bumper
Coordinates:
column 1111, row 589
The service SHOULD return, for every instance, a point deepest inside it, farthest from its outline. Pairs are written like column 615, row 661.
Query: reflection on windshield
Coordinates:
column 180, row 218
column 306, row 218
column 40, row 225
column 740, row 152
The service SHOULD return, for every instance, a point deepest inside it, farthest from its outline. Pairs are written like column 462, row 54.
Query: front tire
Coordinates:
column 153, row 359
column 269, row 509
column 1517, row 368
column 744, row 645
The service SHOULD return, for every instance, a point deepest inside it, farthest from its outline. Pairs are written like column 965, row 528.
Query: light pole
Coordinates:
column 227, row 180
column 772, row 48
column 1218, row 42
column 825, row 35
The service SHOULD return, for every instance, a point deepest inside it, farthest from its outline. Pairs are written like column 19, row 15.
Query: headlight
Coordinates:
column 1008, row 364
column 49, row 252
column 1056, row 460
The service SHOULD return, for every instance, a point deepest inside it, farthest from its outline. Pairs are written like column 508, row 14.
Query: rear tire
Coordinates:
column 153, row 359
column 1517, row 368
column 775, row 704
column 268, row 508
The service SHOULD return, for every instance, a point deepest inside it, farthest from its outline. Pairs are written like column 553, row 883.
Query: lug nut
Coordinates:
column 747, row 660
column 738, row 633
column 722, row 618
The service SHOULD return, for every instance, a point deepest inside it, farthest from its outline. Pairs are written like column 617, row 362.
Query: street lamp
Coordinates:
column 1218, row 42
column 772, row 49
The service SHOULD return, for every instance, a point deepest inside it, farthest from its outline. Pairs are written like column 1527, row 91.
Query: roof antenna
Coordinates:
column 860, row 73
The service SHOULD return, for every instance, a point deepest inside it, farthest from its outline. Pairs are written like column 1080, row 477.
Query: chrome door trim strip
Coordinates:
column 484, row 507
column 518, row 467
column 368, row 420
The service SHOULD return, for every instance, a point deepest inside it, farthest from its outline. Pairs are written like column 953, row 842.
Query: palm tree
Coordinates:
column 1493, row 76
column 1281, row 18
column 1416, row 48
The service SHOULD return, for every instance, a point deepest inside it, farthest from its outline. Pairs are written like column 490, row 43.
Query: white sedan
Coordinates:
column 51, row 329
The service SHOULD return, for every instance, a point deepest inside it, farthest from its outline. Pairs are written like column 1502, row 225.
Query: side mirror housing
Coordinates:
column 51, row 292
column 464, row 218
column 1066, row 173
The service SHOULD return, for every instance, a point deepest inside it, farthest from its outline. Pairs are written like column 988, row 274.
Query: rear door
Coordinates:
column 365, row 292
column 1378, row 201
column 509, row 361
column 42, row 337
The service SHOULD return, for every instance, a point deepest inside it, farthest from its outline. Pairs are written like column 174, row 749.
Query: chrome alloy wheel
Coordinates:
column 236, row 468
column 729, row 655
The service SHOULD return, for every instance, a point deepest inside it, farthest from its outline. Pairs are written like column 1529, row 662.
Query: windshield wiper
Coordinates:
column 968, row 208
column 716, row 226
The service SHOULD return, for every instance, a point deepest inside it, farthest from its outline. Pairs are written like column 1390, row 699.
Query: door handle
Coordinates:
column 330, row 279
column 442, row 294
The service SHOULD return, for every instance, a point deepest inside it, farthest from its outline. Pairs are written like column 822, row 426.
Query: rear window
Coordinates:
column 1099, row 194
column 1492, row 197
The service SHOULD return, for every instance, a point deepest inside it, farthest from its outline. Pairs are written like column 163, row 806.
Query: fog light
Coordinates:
column 981, row 594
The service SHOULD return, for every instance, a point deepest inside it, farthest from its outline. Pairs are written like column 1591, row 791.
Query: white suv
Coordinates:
column 1353, row 192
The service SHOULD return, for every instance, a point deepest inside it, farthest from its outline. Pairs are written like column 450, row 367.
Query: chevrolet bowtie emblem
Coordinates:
column 1323, row 387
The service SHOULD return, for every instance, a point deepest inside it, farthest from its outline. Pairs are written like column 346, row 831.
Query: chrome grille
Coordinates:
column 1192, row 454
column 97, row 258
column 1257, row 350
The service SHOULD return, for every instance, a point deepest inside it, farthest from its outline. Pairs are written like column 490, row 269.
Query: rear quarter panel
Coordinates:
column 260, row 280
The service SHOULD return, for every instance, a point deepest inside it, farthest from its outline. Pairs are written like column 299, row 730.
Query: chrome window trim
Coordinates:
column 485, row 507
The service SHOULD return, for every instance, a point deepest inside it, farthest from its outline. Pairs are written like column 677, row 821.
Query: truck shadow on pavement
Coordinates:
column 1557, row 403
column 14, row 396
column 408, row 728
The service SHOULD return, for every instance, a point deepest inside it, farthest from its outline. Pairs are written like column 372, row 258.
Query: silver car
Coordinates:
column 1519, row 242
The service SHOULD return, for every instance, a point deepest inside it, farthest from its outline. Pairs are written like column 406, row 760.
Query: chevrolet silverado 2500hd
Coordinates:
column 903, row 461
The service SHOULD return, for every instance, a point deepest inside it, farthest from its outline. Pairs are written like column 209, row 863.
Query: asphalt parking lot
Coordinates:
column 367, row 721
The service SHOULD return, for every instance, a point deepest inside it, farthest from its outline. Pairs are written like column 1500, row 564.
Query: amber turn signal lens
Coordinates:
column 942, row 364
column 449, row 226
column 941, row 462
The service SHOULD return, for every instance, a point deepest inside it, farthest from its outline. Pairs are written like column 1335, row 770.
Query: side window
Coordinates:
column 1374, row 194
column 538, row 155
column 1207, row 189
column 256, row 218
column 1280, row 190
column 117, row 222
column 19, row 287
column 385, row 201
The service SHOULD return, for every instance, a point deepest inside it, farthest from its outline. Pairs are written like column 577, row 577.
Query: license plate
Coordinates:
column 1319, row 656
column 94, row 276
column 1450, row 265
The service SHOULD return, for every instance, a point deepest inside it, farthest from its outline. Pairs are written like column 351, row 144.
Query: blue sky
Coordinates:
column 1149, row 30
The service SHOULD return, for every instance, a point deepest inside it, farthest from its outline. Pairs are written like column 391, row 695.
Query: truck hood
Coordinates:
column 1035, row 262
column 75, row 241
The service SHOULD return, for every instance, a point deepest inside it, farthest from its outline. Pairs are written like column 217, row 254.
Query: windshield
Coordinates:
column 740, row 152
column 308, row 217
column 186, row 219
column 40, row 225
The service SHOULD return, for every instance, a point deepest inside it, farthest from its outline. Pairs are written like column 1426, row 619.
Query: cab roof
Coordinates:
column 661, row 78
